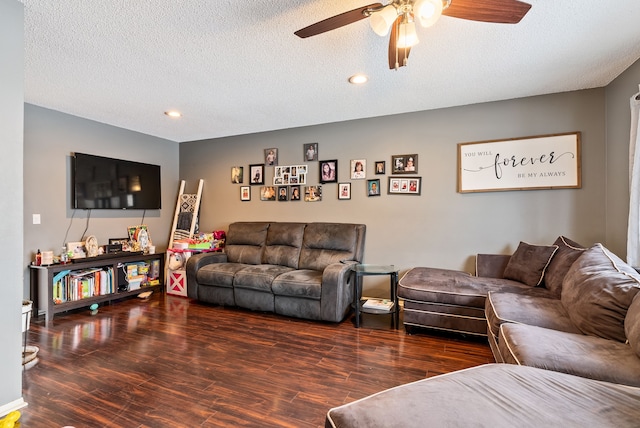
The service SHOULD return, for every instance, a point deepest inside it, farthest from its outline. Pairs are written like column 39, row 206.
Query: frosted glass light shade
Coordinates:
column 427, row 12
column 407, row 36
column 382, row 20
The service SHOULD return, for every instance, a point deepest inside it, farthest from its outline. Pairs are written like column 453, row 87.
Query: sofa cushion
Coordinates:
column 283, row 244
column 529, row 262
column 540, row 311
column 299, row 283
column 597, row 292
column 632, row 325
column 258, row 277
column 327, row 243
column 577, row 354
column 245, row 242
column 568, row 252
column 218, row 274
column 451, row 287
column 496, row 396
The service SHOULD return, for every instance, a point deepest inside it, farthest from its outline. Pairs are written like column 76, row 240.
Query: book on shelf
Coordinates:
column 383, row 304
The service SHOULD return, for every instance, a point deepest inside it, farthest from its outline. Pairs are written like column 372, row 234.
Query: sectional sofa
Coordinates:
column 567, row 320
column 296, row 269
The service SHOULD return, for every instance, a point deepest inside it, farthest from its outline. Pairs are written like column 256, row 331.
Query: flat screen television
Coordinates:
column 106, row 183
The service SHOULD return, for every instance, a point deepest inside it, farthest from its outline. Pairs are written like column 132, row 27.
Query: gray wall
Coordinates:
column 49, row 139
column 440, row 228
column 11, row 122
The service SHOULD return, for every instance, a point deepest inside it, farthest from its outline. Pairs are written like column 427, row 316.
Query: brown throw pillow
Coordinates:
column 597, row 292
column 529, row 262
column 568, row 252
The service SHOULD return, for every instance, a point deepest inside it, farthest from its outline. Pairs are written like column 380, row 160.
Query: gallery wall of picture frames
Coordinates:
column 292, row 183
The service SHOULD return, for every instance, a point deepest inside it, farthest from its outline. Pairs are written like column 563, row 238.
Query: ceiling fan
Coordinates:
column 399, row 17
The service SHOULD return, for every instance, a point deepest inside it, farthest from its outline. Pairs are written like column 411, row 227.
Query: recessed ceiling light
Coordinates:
column 173, row 113
column 358, row 79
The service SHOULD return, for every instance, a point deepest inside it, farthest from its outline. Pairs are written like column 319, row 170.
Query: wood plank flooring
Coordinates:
column 171, row 362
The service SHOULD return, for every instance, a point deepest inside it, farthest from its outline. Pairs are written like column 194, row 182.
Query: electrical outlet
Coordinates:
column 36, row 219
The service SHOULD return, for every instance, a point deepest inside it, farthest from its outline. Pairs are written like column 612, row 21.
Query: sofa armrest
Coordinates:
column 194, row 263
column 491, row 265
column 337, row 290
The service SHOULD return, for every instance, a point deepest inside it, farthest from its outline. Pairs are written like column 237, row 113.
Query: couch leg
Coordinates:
column 408, row 329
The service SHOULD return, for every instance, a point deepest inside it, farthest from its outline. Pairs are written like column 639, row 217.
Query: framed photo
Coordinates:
column 404, row 185
column 139, row 237
column 271, row 157
column 77, row 249
column 123, row 242
column 283, row 193
column 237, row 174
column 289, row 175
column 267, row 193
column 257, row 173
column 380, row 167
column 373, row 187
column 245, row 193
column 538, row 162
column 329, row 171
column 358, row 169
column 344, row 191
column 312, row 193
column 294, row 193
column 404, row 164
column 310, row 152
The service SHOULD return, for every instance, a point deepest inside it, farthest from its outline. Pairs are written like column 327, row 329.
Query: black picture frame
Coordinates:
column 256, row 176
column 380, row 167
column 329, row 171
column 283, row 193
column 373, row 187
column 404, row 164
column 245, row 193
column 310, row 152
column 344, row 191
column 237, row 174
column 404, row 186
column 294, row 193
column 271, row 156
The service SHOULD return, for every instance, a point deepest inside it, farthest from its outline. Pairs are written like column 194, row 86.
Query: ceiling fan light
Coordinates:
column 382, row 20
column 427, row 11
column 407, row 36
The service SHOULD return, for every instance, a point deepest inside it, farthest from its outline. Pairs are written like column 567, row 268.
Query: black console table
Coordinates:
column 42, row 282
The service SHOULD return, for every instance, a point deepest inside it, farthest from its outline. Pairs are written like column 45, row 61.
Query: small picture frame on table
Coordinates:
column 122, row 242
column 245, row 193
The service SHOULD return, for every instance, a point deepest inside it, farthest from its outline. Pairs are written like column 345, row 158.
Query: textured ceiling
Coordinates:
column 235, row 67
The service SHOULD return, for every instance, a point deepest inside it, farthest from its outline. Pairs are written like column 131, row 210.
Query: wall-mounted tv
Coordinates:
column 106, row 183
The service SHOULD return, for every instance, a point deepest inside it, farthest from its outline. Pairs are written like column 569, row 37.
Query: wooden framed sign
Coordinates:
column 540, row 162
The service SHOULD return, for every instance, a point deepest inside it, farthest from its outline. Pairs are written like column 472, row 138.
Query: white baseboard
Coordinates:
column 5, row 409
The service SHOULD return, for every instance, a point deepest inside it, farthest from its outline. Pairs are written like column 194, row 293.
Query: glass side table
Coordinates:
column 359, row 304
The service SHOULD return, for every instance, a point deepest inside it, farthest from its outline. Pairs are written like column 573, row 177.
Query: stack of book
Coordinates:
column 379, row 304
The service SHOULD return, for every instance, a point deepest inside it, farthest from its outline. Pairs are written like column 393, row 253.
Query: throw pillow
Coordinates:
column 568, row 252
column 597, row 292
column 529, row 262
column 632, row 325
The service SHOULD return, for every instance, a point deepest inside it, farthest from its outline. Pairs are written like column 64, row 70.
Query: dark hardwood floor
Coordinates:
column 171, row 362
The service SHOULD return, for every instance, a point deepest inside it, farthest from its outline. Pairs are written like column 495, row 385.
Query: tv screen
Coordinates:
column 106, row 183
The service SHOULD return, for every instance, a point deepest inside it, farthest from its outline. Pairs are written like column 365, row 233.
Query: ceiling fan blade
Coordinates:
column 397, row 56
column 498, row 11
column 334, row 22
